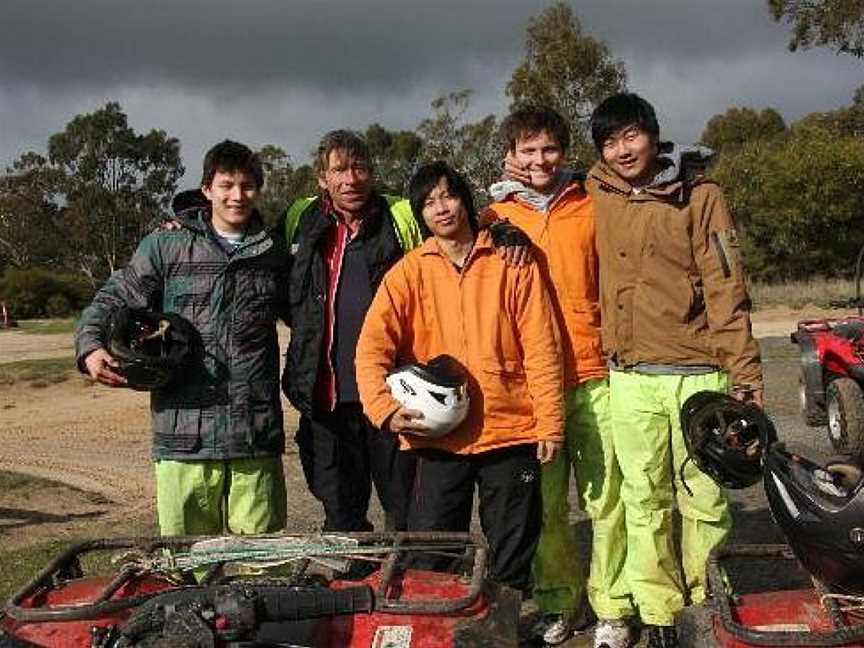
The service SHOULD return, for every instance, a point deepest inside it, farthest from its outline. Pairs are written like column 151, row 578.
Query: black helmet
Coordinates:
column 821, row 512
column 726, row 438
column 152, row 348
column 186, row 200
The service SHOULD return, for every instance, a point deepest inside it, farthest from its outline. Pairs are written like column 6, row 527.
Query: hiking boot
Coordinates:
column 554, row 629
column 613, row 633
column 662, row 636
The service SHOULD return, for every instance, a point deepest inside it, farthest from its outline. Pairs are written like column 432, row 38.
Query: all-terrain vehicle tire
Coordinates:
column 814, row 414
column 844, row 403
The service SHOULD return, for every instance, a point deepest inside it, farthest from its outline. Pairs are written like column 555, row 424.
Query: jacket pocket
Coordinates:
column 586, row 314
column 622, row 317
column 177, row 430
column 696, row 308
column 265, row 414
column 194, row 306
column 505, row 391
column 727, row 250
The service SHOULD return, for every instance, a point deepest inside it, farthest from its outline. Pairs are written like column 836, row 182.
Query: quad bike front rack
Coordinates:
column 842, row 634
column 388, row 549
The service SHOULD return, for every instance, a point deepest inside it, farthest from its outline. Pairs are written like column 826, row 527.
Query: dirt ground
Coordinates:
column 95, row 441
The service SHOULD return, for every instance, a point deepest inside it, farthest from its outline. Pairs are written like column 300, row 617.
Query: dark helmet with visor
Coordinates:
column 151, row 348
column 726, row 438
column 820, row 509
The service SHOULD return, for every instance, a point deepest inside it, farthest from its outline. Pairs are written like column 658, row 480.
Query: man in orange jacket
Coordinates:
column 550, row 204
column 454, row 295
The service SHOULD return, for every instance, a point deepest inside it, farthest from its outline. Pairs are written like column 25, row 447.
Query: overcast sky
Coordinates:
column 285, row 71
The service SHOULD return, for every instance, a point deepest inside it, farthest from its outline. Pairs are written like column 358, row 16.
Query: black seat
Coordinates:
column 849, row 330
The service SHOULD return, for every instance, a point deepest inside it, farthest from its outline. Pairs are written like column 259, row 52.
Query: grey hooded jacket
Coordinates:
column 226, row 405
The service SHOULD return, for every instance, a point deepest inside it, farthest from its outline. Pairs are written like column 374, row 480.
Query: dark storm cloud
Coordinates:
column 685, row 31
column 213, row 43
column 315, row 43
column 284, row 71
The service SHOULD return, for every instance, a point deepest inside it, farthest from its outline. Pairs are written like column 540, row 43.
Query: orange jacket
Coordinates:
column 496, row 320
column 567, row 254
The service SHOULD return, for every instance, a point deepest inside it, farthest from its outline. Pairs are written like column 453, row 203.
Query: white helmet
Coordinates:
column 437, row 389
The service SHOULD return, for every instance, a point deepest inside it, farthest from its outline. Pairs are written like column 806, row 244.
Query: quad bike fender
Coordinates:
column 811, row 368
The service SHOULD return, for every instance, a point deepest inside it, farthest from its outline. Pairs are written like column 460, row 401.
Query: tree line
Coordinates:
column 75, row 213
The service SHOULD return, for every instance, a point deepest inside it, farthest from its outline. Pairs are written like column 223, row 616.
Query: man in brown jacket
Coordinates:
column 675, row 320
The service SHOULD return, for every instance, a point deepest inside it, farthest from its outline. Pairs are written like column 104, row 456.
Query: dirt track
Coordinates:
column 16, row 346
column 97, row 440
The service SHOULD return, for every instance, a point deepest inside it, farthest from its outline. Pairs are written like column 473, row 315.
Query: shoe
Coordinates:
column 554, row 629
column 613, row 633
column 662, row 636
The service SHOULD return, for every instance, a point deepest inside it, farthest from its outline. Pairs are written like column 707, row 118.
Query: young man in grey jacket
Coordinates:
column 217, row 431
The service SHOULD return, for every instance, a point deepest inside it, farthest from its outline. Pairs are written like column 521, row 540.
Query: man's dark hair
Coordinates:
column 620, row 111
column 426, row 179
column 230, row 157
column 352, row 143
column 530, row 121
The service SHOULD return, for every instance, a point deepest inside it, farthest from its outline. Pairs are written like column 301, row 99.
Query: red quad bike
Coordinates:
column 819, row 510
column 832, row 375
column 803, row 617
column 756, row 594
column 152, row 598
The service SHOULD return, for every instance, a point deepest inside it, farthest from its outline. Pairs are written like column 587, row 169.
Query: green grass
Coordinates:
column 37, row 373
column 19, row 566
column 12, row 481
column 44, row 326
column 823, row 293
column 48, row 327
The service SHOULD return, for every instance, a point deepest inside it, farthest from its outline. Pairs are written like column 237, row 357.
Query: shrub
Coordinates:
column 37, row 292
column 797, row 203
column 58, row 305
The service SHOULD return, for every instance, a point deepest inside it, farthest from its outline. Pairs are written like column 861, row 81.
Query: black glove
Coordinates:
column 505, row 234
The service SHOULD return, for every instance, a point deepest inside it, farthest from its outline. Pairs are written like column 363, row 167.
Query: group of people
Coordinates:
column 582, row 309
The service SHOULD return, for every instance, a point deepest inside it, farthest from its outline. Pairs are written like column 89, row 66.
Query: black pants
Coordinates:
column 342, row 455
column 508, row 484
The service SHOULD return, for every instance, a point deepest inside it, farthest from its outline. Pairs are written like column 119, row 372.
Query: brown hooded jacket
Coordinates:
column 672, row 287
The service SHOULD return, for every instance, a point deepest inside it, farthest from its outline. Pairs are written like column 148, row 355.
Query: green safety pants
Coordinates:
column 650, row 449
column 559, row 575
column 211, row 497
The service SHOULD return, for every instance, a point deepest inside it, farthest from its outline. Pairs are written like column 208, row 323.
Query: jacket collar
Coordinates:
column 482, row 242
column 198, row 219
column 568, row 181
column 676, row 175
column 610, row 181
column 372, row 212
column 256, row 241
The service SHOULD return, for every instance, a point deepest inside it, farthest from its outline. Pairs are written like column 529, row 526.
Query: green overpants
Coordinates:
column 650, row 449
column 211, row 497
column 559, row 575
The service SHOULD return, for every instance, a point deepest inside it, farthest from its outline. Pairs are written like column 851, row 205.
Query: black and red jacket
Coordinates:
column 312, row 317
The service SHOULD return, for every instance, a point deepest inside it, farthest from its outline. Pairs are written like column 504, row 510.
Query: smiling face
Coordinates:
column 444, row 213
column 631, row 153
column 232, row 195
column 348, row 181
column 540, row 155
